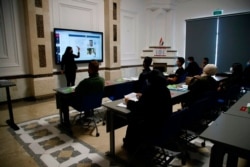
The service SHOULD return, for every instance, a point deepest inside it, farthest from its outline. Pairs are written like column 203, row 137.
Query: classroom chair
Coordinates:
column 88, row 112
column 160, row 150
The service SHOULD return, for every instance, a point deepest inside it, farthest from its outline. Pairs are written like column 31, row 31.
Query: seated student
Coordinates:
column 204, row 62
column 149, row 113
column 87, row 86
column 246, row 75
column 202, row 83
column 180, row 72
column 192, row 68
column 235, row 79
column 143, row 78
column 237, row 74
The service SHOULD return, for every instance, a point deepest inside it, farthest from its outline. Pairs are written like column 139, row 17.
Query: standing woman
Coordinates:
column 68, row 65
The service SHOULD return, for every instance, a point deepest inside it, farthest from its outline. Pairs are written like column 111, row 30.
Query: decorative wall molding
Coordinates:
column 159, row 4
column 78, row 14
column 131, row 61
column 129, row 35
column 158, row 21
column 8, row 42
column 86, row 2
column 3, row 45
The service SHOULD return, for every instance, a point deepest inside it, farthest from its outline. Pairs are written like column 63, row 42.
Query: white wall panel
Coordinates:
column 8, row 36
column 78, row 14
column 129, row 36
column 12, row 39
column 133, row 31
column 76, row 17
column 158, row 26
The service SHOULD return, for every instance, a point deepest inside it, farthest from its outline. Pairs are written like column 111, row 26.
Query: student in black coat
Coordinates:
column 246, row 75
column 68, row 65
column 149, row 113
column 234, row 80
column 143, row 77
column 180, row 73
column 192, row 68
column 201, row 84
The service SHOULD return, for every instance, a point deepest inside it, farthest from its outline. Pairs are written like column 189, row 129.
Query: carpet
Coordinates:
column 42, row 139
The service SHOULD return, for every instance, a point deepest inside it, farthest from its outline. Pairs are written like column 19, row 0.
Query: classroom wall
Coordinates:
column 82, row 15
column 142, row 24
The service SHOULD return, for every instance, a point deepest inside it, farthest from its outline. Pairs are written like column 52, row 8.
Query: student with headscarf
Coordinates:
column 149, row 113
column 202, row 83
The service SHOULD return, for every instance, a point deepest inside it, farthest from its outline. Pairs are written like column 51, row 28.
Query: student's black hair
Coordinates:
column 181, row 60
column 147, row 61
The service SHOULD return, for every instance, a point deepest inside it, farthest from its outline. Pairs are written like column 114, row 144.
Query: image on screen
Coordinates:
column 89, row 42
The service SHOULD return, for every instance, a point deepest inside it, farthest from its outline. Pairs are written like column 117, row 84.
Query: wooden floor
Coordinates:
column 12, row 154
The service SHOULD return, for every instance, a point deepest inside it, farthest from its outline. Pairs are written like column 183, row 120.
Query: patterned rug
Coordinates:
column 50, row 148
column 42, row 139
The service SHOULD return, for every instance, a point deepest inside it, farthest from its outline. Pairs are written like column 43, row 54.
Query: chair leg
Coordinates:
column 100, row 117
column 96, row 128
column 86, row 120
column 78, row 117
column 93, row 119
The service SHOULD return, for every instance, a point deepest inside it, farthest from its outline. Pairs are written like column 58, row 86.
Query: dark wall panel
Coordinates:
column 201, row 39
column 234, row 41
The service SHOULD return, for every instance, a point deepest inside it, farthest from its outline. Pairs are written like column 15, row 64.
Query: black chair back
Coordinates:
column 196, row 112
column 172, row 128
column 87, row 104
column 90, row 102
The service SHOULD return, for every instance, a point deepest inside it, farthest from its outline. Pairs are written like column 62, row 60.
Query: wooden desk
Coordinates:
column 6, row 84
column 115, row 112
column 229, row 132
column 242, row 102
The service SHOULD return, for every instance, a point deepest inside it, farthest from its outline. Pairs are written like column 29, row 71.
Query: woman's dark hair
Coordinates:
column 191, row 58
column 206, row 59
column 68, row 50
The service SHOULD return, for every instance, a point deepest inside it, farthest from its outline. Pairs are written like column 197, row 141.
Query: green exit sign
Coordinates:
column 218, row 12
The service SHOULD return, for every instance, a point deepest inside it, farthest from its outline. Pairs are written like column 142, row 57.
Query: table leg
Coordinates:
column 232, row 160
column 11, row 121
column 58, row 106
column 61, row 117
column 216, row 156
column 112, row 135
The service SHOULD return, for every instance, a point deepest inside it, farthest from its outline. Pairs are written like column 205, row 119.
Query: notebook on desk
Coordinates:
column 130, row 96
column 177, row 87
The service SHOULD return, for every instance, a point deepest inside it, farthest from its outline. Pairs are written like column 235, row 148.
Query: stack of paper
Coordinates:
column 131, row 96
